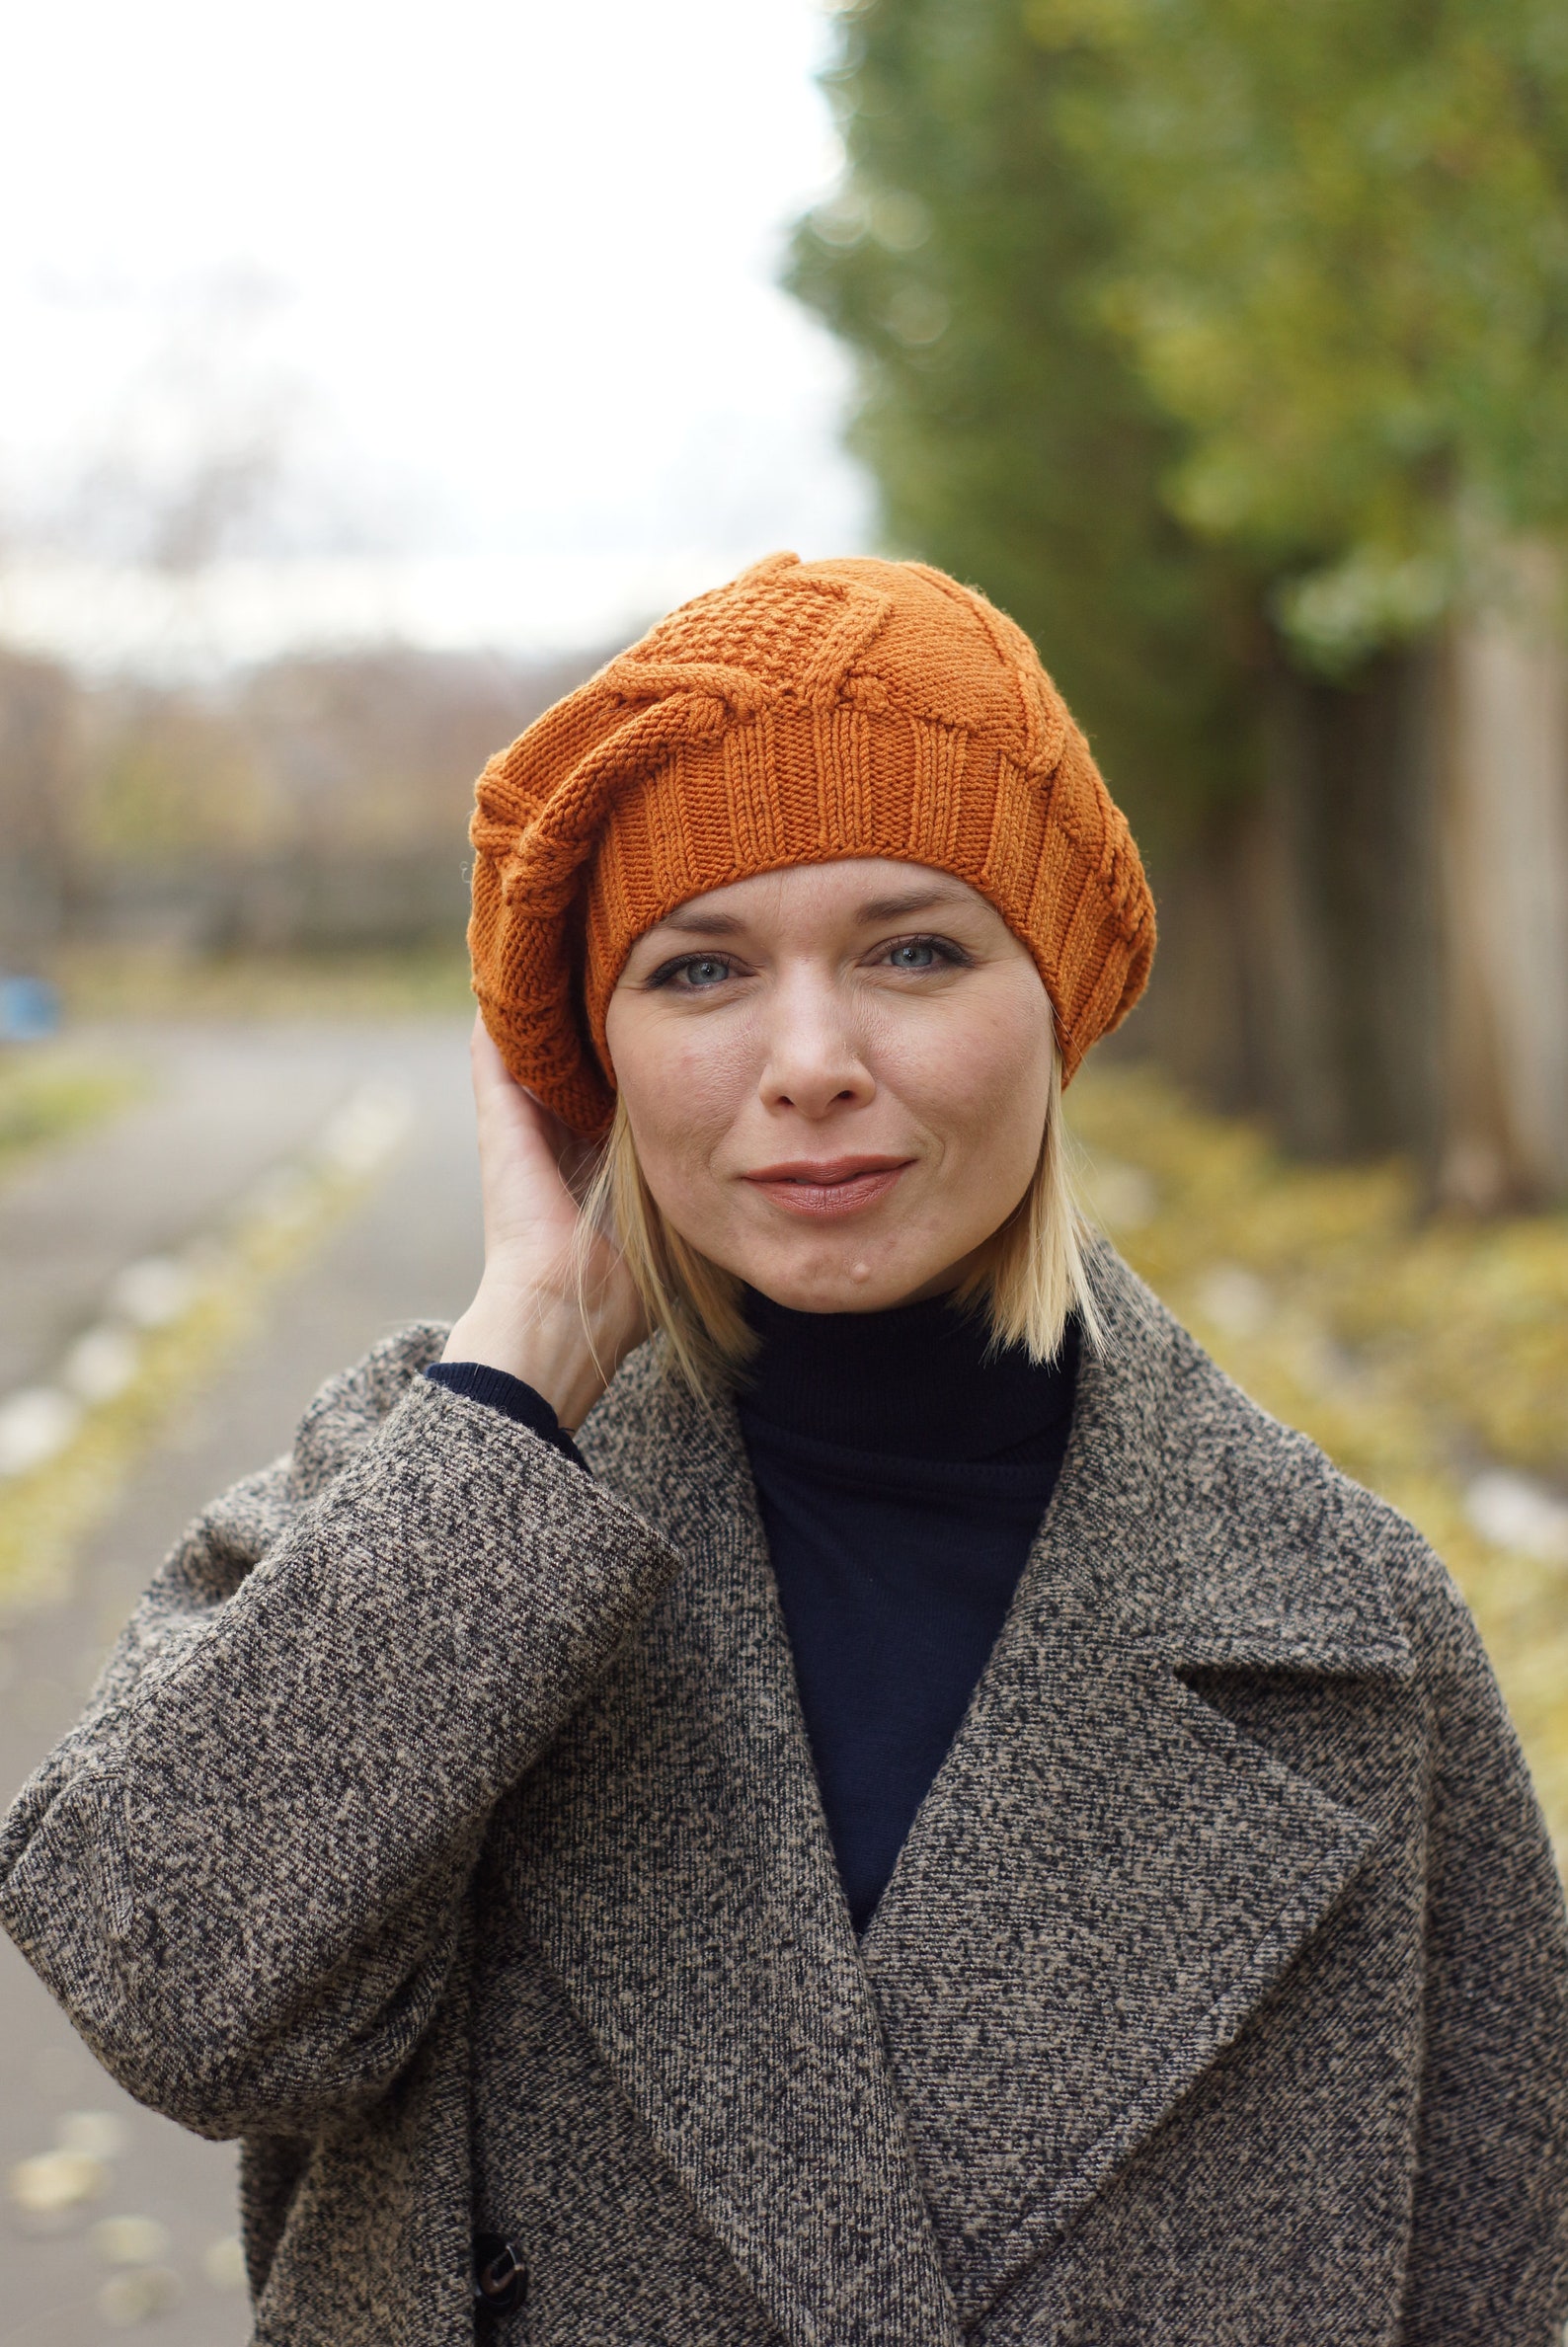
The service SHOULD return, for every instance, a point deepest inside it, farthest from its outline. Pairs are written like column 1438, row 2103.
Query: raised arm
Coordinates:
column 241, row 1873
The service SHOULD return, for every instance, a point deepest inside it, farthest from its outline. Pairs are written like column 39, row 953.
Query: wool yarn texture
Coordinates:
column 803, row 713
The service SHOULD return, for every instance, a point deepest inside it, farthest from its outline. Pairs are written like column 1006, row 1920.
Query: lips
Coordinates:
column 831, row 1189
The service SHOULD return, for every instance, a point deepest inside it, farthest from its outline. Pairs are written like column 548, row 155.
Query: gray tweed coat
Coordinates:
column 445, row 1827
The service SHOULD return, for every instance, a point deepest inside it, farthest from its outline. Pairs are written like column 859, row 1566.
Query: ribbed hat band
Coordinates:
column 803, row 714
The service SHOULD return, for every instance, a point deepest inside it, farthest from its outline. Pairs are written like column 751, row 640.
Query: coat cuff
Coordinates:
column 498, row 1390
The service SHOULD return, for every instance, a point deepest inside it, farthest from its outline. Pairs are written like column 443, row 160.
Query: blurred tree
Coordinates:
column 1341, row 268
column 37, row 770
column 1011, row 438
column 313, row 802
column 167, row 780
column 1225, row 343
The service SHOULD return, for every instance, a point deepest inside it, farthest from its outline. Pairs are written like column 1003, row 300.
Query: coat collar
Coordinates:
column 1102, row 1883
column 672, row 1861
column 1192, row 1525
column 1107, row 1877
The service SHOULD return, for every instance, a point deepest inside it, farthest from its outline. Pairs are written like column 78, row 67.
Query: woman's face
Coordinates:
column 836, row 1078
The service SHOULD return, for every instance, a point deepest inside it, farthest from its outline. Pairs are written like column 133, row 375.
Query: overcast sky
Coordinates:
column 484, row 287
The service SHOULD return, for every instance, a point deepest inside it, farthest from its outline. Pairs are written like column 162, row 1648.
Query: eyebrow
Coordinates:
column 693, row 921
column 894, row 908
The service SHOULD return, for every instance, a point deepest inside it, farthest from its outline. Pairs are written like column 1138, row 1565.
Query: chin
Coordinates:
column 836, row 1288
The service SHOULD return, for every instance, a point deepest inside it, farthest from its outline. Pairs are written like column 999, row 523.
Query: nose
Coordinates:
column 814, row 1061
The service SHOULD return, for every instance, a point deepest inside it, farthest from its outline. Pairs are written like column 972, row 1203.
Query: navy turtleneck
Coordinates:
column 901, row 1470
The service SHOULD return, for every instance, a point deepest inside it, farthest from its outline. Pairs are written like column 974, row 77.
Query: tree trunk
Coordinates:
column 1291, row 923
column 1297, row 971
column 1503, row 879
column 1372, row 949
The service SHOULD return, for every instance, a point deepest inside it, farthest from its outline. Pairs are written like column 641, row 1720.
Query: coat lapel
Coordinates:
column 672, row 1862
column 1107, row 1877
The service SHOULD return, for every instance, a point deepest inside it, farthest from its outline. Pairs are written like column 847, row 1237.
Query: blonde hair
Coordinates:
column 1032, row 1277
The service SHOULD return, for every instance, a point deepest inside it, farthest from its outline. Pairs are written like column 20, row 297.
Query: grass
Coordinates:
column 48, row 1511
column 1416, row 1351
column 105, row 982
column 50, row 1092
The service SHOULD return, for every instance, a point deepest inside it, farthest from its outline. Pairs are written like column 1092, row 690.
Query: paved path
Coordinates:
column 411, row 1249
column 223, row 1104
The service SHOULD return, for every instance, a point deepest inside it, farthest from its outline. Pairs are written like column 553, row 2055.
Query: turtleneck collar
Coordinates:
column 921, row 1381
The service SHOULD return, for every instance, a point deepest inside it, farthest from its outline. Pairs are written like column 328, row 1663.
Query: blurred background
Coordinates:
column 371, row 376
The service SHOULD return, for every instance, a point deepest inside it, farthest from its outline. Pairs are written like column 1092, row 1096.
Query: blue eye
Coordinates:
column 918, row 956
column 702, row 969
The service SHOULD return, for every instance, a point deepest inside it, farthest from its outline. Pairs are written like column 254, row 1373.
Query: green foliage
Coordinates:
column 1012, row 439
column 1342, row 271
column 1175, row 310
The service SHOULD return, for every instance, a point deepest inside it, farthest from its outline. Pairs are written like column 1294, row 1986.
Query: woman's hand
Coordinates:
column 528, row 1317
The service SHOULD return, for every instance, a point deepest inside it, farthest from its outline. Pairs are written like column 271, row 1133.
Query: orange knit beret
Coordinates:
column 803, row 713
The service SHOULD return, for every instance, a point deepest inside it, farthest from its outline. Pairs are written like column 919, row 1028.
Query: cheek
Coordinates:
column 683, row 1083
column 984, row 1075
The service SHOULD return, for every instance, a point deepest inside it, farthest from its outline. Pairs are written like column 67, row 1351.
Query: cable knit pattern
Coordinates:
column 804, row 713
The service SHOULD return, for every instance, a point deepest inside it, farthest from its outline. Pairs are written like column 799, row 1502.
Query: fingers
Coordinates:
column 502, row 1103
column 529, row 1214
column 496, row 1088
column 527, row 1160
column 485, row 1061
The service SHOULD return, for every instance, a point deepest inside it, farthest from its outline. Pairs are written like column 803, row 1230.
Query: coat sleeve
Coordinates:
column 1489, row 2244
column 241, row 1873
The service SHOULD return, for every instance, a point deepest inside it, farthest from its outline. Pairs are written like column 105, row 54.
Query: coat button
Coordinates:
column 501, row 2279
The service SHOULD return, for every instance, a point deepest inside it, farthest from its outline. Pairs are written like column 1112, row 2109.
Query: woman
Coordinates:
column 930, row 1817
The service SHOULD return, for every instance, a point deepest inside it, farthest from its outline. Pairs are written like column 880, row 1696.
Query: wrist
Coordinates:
column 537, row 1337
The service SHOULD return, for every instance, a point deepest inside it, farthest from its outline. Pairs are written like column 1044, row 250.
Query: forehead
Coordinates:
column 855, row 888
